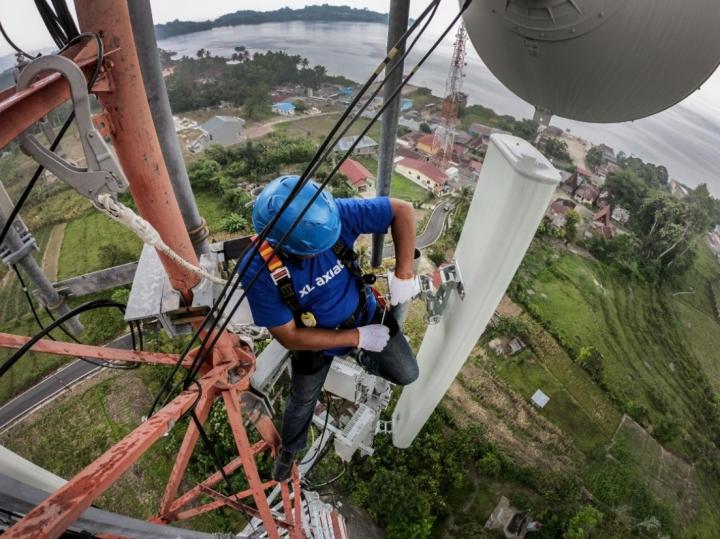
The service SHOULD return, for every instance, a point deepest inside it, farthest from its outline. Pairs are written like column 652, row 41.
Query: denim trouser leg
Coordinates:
column 396, row 363
column 304, row 392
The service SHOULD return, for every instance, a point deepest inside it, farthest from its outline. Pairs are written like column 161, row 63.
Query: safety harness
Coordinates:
column 280, row 275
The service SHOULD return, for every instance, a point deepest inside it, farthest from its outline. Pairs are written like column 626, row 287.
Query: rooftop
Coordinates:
column 344, row 143
column 355, row 171
column 428, row 169
column 217, row 121
column 284, row 106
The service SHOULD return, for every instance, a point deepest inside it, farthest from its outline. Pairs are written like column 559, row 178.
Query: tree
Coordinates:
column 234, row 222
column 572, row 218
column 200, row 53
column 425, row 128
column 558, row 149
column 667, row 229
column 700, row 197
column 595, row 158
column 583, row 523
column 344, row 190
column 626, row 188
column 527, row 129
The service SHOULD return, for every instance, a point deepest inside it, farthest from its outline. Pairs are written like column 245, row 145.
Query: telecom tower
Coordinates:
column 453, row 100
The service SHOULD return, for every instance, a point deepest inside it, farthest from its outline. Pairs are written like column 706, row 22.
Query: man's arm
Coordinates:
column 403, row 234
column 295, row 338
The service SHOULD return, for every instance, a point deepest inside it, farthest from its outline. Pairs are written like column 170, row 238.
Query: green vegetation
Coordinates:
column 526, row 129
column 87, row 241
column 654, row 362
column 308, row 13
column 556, row 148
column 207, row 81
column 595, row 158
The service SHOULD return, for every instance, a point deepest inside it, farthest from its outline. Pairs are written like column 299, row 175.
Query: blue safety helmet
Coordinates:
column 318, row 229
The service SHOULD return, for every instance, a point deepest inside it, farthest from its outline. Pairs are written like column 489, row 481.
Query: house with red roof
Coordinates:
column 425, row 144
column 425, row 174
column 358, row 176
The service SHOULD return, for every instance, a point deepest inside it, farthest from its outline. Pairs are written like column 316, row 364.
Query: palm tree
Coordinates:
column 200, row 53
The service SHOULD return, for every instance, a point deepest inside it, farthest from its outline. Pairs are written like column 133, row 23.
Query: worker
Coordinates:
column 315, row 301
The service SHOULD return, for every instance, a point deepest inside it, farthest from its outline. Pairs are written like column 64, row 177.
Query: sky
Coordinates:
column 21, row 20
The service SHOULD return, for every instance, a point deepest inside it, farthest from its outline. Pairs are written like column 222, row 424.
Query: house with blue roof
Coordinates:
column 284, row 108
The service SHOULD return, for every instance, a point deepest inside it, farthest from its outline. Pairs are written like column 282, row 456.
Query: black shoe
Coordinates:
column 282, row 467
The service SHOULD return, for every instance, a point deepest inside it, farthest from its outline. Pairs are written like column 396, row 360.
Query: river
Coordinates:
column 684, row 138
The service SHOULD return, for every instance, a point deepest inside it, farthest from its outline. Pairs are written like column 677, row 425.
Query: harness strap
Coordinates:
column 280, row 275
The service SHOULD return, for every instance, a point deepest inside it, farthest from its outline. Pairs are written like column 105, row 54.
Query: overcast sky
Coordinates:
column 21, row 20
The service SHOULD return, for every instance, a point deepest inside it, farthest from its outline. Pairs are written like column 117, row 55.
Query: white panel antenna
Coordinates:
column 511, row 196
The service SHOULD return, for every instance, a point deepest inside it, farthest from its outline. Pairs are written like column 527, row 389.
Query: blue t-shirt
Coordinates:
column 323, row 285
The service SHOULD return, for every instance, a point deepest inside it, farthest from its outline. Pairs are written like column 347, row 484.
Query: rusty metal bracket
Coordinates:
column 102, row 174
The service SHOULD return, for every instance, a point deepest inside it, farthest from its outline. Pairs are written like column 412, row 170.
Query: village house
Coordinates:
column 587, row 194
column 424, row 174
column 222, row 130
column 557, row 212
column 608, row 153
column 366, row 146
column 577, row 179
column 358, row 176
column 284, row 108
column 601, row 224
column 425, row 144
column 621, row 215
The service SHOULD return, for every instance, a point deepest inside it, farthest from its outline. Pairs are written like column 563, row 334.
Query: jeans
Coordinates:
column 396, row 363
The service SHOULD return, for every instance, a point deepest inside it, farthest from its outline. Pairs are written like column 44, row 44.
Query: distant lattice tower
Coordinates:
column 453, row 100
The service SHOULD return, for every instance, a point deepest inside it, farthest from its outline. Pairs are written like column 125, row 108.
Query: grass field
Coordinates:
column 84, row 239
column 211, row 209
column 645, row 339
column 318, row 127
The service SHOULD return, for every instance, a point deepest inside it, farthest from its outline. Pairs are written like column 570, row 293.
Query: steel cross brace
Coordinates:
column 228, row 377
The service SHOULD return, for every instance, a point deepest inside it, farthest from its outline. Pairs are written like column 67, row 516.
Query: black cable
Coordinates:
column 322, row 435
column 13, row 45
column 65, row 18
column 89, row 306
column 312, row 166
column 224, row 296
column 26, row 192
column 98, row 363
column 395, row 93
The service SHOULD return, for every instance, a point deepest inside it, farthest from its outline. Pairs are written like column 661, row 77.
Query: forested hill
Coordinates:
column 308, row 13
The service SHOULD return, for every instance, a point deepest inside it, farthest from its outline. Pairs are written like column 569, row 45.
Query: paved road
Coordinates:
column 16, row 409
column 433, row 229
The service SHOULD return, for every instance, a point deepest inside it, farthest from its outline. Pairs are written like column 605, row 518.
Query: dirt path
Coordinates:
column 264, row 128
column 51, row 256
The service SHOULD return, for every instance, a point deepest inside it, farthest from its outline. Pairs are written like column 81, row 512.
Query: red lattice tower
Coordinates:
column 453, row 100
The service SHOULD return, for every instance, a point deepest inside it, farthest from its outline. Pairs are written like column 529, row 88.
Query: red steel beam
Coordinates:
column 211, row 481
column 211, row 506
column 134, row 137
column 186, row 449
column 232, row 405
column 46, row 346
column 54, row 515
column 225, row 500
column 20, row 110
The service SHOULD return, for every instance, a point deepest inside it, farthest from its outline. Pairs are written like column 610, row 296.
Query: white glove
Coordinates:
column 374, row 337
column 402, row 290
